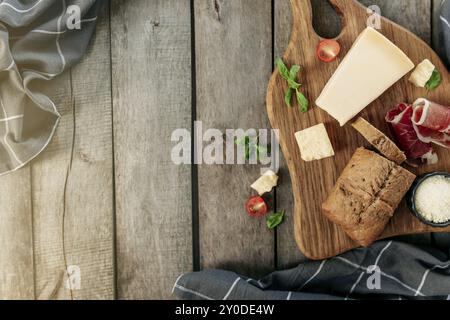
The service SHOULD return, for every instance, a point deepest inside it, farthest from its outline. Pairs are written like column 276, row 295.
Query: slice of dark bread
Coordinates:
column 380, row 141
column 366, row 195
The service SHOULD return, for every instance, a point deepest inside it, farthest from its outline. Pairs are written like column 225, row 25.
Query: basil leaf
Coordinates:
column 288, row 97
column 243, row 141
column 302, row 101
column 294, row 72
column 435, row 81
column 284, row 72
column 262, row 151
column 275, row 219
column 293, row 85
column 247, row 153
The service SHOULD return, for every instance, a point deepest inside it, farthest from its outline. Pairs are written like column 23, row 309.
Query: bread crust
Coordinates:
column 366, row 195
column 380, row 141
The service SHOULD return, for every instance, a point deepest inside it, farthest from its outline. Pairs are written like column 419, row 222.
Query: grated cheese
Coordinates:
column 433, row 199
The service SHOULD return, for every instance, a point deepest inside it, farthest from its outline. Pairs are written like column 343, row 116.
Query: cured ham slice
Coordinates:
column 402, row 126
column 431, row 122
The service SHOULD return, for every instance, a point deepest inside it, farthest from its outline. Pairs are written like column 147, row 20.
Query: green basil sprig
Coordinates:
column 252, row 146
column 275, row 219
column 435, row 81
column 290, row 76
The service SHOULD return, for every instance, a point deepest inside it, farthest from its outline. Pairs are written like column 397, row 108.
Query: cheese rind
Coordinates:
column 371, row 66
column 314, row 143
column 422, row 73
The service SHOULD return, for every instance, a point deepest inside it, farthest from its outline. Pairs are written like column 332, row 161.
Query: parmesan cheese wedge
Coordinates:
column 314, row 143
column 265, row 183
column 371, row 66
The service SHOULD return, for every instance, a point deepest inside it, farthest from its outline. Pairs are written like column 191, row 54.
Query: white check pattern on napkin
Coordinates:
column 36, row 46
column 405, row 272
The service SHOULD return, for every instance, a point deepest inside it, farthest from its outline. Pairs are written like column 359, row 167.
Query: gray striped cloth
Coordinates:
column 386, row 270
column 39, row 40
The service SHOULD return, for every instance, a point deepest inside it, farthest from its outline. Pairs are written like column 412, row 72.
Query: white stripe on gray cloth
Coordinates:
column 231, row 288
column 47, row 31
column 13, row 63
column 289, row 295
column 58, row 46
column 425, row 275
column 42, row 74
column 177, row 286
column 5, row 138
column 11, row 118
column 257, row 282
column 63, row 31
column 382, row 273
column 377, row 260
column 445, row 21
column 354, row 285
column 176, row 282
column 90, row 19
column 4, row 3
column 313, row 276
column 193, row 292
column 381, row 253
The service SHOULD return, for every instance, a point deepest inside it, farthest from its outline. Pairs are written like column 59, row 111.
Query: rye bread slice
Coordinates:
column 366, row 195
column 380, row 141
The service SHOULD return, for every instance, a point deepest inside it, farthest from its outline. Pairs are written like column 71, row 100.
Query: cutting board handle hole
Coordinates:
column 326, row 20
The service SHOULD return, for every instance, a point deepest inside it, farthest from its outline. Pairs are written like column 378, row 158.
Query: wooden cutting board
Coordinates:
column 317, row 237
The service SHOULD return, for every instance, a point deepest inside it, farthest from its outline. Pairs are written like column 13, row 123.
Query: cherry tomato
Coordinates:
column 328, row 50
column 256, row 207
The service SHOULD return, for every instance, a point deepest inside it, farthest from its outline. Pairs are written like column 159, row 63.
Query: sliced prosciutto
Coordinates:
column 402, row 126
column 431, row 122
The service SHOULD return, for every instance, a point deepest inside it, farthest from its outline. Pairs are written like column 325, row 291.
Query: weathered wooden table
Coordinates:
column 115, row 210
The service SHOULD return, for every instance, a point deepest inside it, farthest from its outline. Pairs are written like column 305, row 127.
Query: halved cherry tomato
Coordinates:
column 328, row 50
column 256, row 207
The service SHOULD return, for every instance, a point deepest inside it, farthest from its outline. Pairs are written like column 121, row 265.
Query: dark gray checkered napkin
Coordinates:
column 387, row 270
column 39, row 40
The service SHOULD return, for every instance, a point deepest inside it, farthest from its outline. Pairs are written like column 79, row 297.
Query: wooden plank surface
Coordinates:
column 16, row 236
column 151, row 54
column 72, row 190
column 234, row 62
column 314, row 233
column 288, row 253
column 415, row 15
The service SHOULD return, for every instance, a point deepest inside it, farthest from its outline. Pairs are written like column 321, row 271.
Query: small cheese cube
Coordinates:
column 422, row 73
column 265, row 183
column 314, row 143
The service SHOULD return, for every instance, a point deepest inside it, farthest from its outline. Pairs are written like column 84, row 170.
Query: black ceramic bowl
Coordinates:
column 412, row 194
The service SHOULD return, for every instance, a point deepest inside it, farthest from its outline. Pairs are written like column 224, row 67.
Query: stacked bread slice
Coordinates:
column 369, row 189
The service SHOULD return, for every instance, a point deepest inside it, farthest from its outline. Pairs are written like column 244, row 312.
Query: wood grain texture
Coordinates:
column 234, row 63
column 415, row 15
column 317, row 237
column 151, row 53
column 288, row 254
column 73, row 193
column 16, row 236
